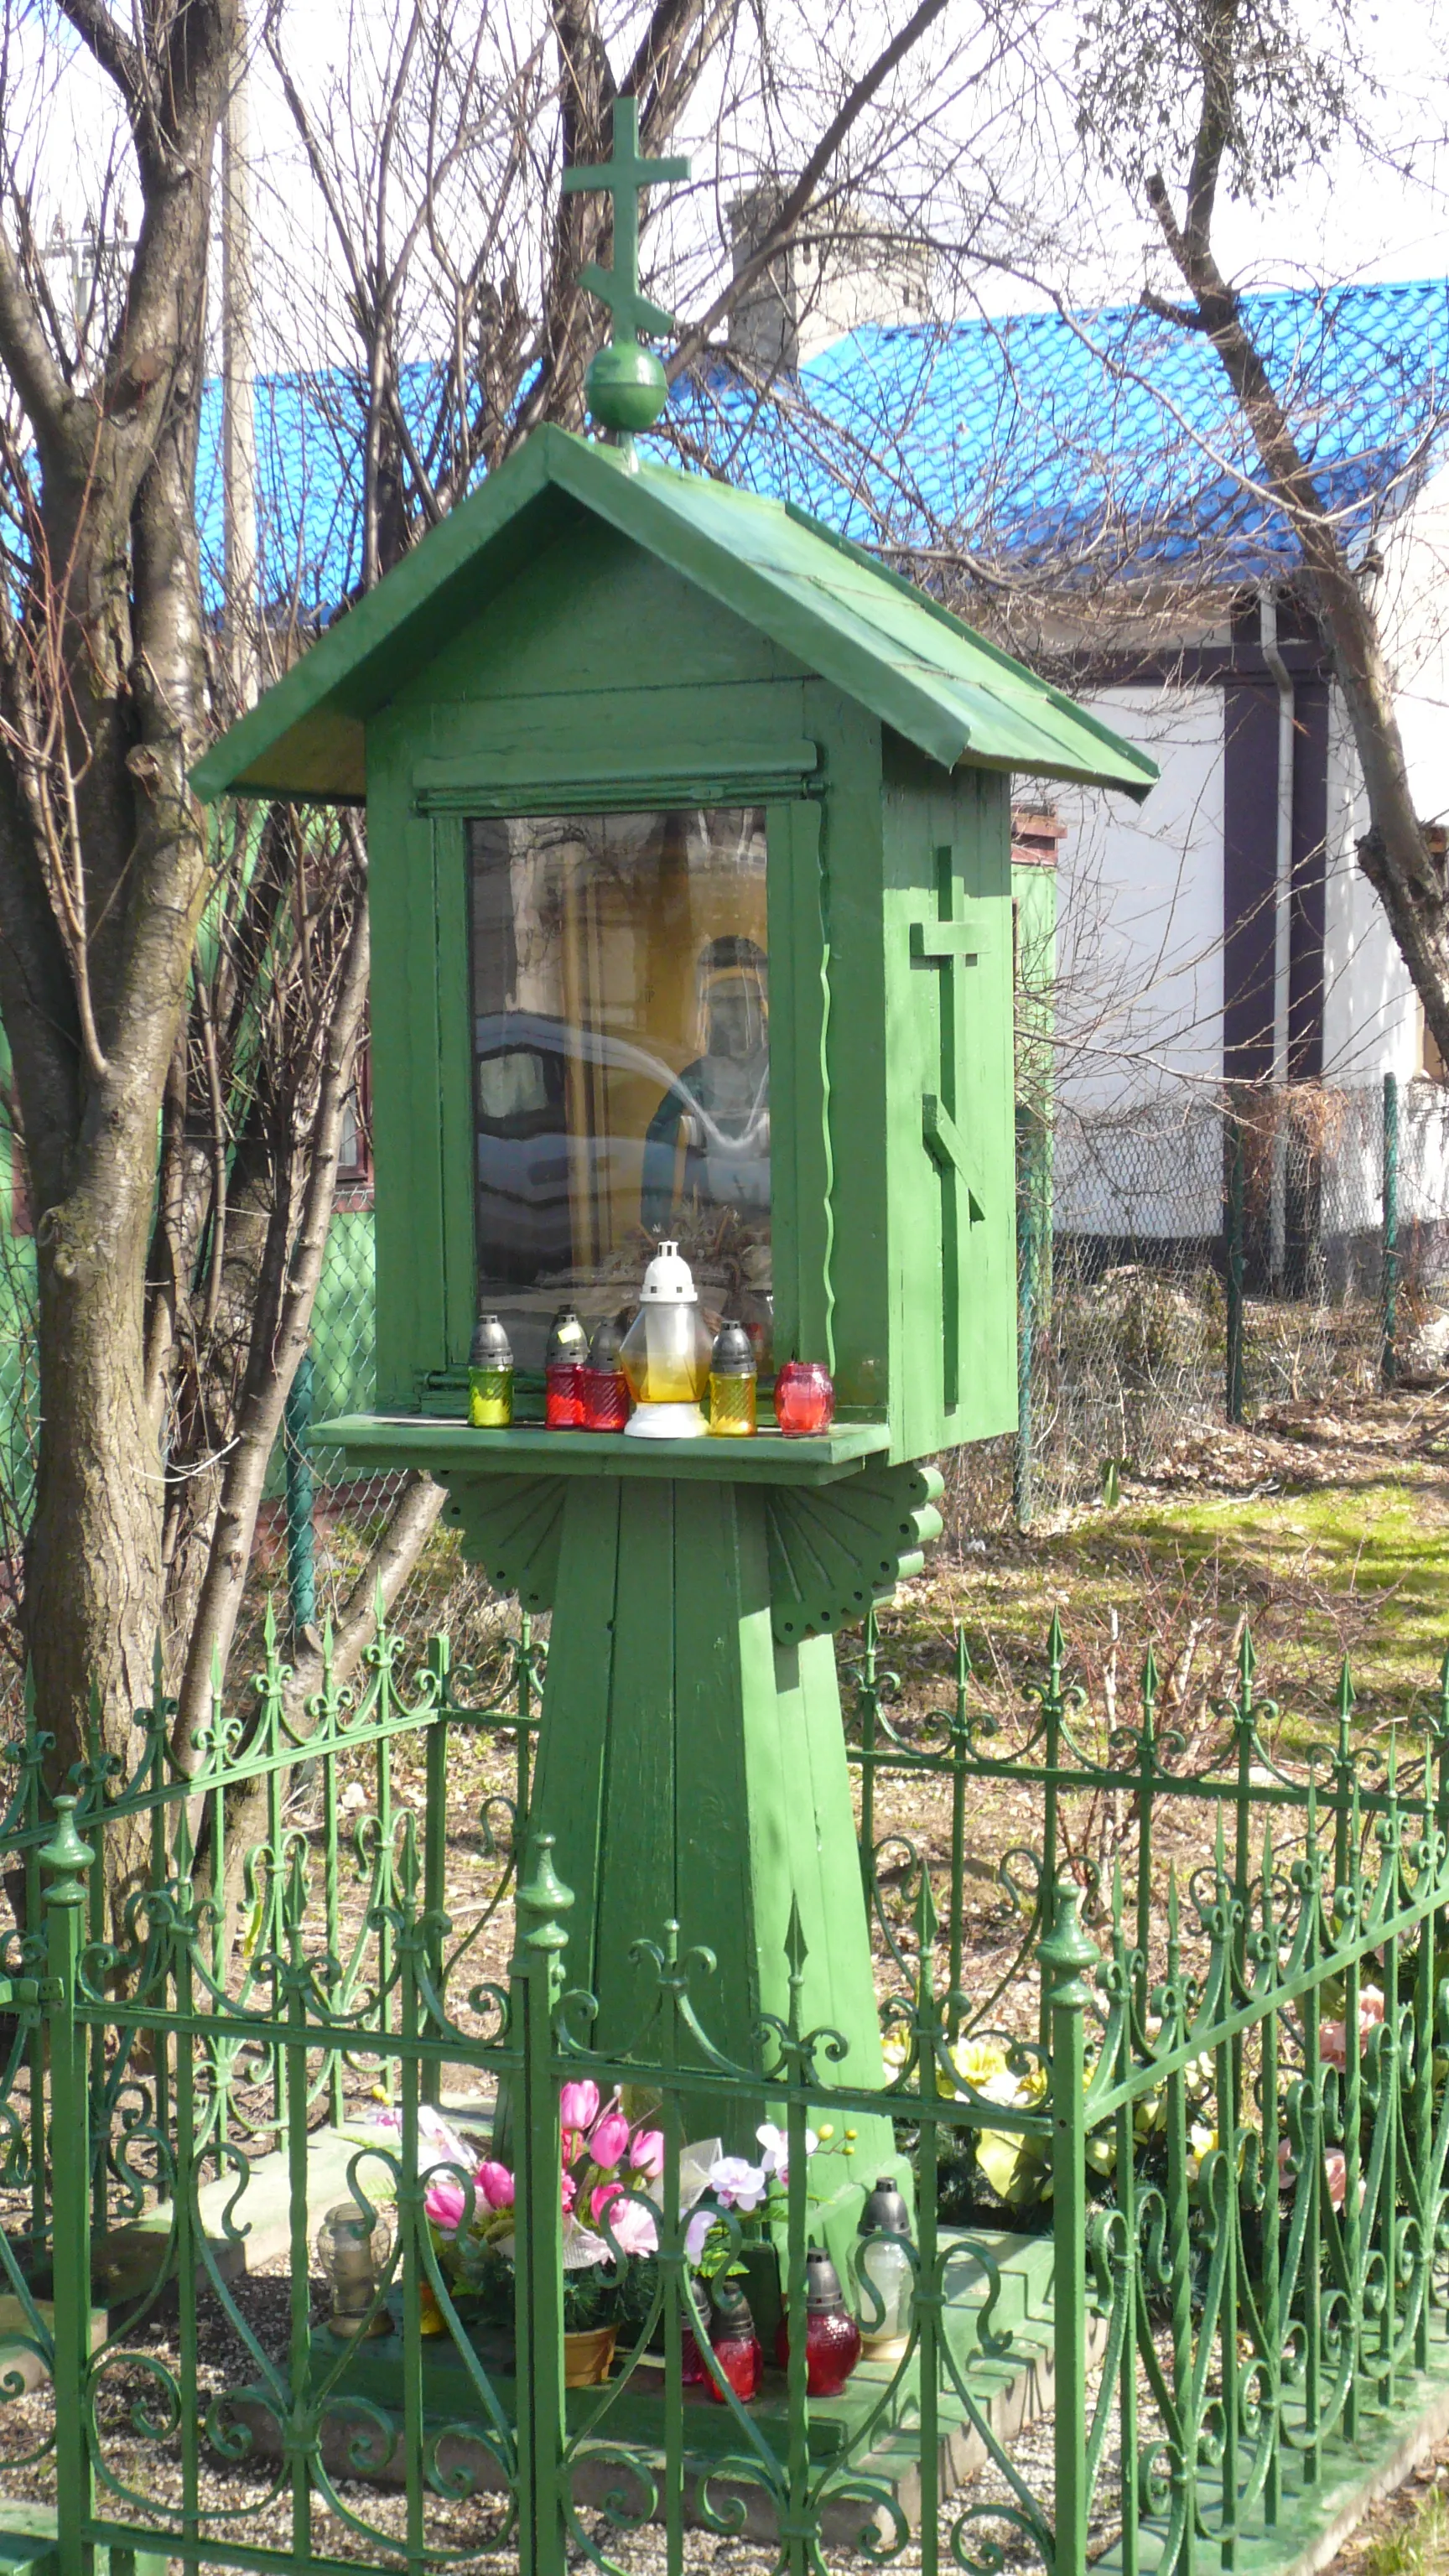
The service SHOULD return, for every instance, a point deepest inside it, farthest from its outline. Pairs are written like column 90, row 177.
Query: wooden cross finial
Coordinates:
column 624, row 177
column 626, row 390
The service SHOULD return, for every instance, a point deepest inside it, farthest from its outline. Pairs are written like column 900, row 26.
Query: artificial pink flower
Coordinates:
column 445, row 2202
column 568, row 2192
column 646, row 2154
column 496, row 2184
column 1335, row 2172
column 628, row 2221
column 578, row 2105
column 1333, row 2035
column 609, row 2140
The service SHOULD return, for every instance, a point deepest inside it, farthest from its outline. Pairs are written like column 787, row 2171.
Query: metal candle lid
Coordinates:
column 884, row 2212
column 490, row 1345
column 822, row 2282
column 604, row 1348
column 733, row 1354
column 568, row 1343
column 668, row 1281
column 731, row 2307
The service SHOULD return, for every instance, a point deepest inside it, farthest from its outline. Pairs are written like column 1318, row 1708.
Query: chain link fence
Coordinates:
column 1207, row 1258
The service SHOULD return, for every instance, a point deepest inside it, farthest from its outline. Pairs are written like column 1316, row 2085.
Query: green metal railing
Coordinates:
column 1184, row 2161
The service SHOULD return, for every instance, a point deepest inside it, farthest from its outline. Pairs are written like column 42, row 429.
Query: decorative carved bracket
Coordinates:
column 836, row 1548
column 511, row 1526
column 833, row 1549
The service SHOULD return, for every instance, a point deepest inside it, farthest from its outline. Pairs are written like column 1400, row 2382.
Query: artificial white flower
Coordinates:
column 438, row 2144
column 696, row 2233
column 739, row 2184
column 776, row 2145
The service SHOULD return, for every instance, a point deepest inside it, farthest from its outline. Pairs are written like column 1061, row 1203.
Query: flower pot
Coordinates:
column 587, row 2356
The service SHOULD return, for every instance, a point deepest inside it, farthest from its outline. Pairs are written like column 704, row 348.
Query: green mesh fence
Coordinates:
column 1198, row 1257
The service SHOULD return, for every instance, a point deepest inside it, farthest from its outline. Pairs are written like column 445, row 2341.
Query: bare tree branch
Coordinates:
column 802, row 195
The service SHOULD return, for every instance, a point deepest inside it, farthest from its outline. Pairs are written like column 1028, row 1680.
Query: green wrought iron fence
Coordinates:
column 1179, row 2178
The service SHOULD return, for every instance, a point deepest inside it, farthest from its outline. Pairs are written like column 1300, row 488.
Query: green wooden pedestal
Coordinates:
column 691, row 1761
column 693, row 1770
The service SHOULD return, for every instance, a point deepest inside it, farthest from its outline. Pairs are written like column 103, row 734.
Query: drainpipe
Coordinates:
column 1282, row 908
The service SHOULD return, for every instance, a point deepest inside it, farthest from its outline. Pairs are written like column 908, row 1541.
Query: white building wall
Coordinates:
column 1139, row 1018
column 1370, row 1012
column 1372, row 1022
column 1140, row 995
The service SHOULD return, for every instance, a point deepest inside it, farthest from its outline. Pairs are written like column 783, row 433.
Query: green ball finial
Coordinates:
column 626, row 387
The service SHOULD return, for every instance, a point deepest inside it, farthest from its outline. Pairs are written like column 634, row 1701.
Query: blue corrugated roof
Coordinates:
column 1108, row 437
column 1108, row 440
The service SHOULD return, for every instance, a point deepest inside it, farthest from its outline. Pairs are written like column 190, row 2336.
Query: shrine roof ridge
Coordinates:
column 819, row 597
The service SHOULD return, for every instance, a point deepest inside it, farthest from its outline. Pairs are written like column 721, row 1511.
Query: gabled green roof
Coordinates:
column 833, row 607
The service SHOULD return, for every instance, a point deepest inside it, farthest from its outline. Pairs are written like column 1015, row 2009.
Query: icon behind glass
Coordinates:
column 718, row 1107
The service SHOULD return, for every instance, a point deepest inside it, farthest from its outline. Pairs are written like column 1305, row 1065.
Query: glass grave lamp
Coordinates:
column 832, row 2337
column 885, row 2273
column 606, row 1389
column 490, row 1377
column 732, row 1385
column 735, row 2343
column 352, row 2248
column 564, row 1363
column 665, row 1353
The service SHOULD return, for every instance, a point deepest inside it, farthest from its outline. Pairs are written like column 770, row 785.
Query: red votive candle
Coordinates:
column 832, row 2337
column 563, row 1373
column 605, row 1387
column 736, row 2344
column 804, row 1398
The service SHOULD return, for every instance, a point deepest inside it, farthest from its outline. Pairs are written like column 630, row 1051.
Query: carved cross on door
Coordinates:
column 949, row 945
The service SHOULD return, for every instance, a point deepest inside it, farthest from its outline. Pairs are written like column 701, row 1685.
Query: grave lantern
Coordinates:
column 689, row 871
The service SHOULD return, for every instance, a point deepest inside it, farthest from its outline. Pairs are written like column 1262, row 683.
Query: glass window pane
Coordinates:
column 622, row 1062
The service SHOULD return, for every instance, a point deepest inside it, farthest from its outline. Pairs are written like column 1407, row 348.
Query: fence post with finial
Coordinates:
column 1234, row 1267
column 67, row 1861
column 1068, row 1963
column 535, row 1977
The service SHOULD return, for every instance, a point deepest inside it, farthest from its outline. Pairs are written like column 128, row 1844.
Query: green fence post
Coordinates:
column 301, row 1555
column 1233, row 1391
column 66, row 1860
column 1390, row 1256
column 1067, row 1959
column 534, row 1981
column 1028, row 1283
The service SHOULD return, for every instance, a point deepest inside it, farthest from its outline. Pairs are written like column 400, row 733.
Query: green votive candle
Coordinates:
column 490, row 1377
column 732, row 1382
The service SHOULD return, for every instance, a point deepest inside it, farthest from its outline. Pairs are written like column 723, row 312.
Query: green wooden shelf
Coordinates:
column 383, row 1440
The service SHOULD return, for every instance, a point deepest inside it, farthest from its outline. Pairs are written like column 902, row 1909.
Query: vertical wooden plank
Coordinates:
column 986, row 1112
column 803, row 1849
column 719, row 1601
column 569, row 1779
column 856, row 1045
column 452, row 895
column 636, row 1891
column 797, row 1180
column 406, row 1075
column 912, row 1042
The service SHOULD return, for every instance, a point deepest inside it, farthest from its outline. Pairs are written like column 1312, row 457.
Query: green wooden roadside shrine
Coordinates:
column 672, row 794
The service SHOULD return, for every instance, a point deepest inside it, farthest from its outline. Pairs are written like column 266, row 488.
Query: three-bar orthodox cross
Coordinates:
column 624, row 177
column 949, row 945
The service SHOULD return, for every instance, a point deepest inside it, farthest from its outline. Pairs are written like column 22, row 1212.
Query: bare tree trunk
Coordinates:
column 1403, row 871
column 279, row 1339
